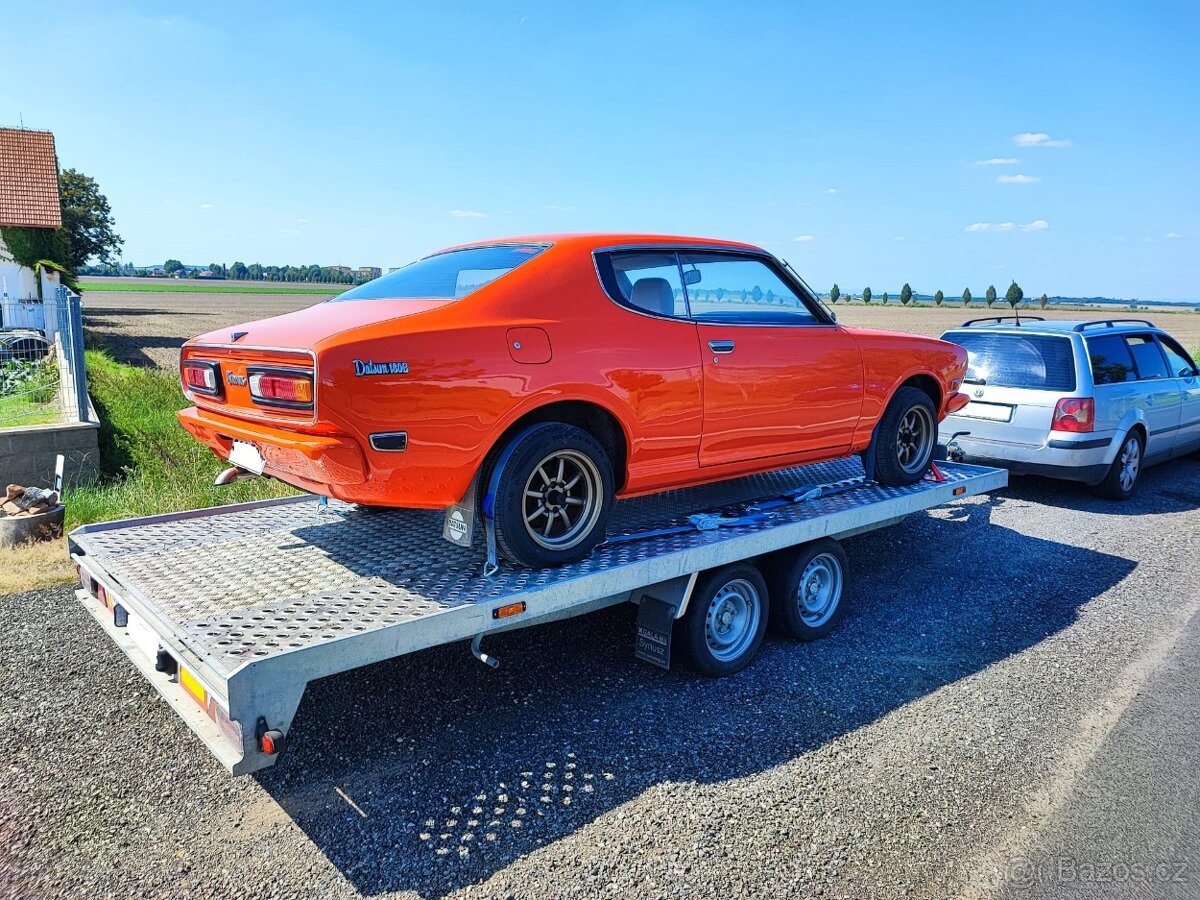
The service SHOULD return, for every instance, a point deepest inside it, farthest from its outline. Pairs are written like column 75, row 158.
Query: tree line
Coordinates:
column 1014, row 296
column 239, row 271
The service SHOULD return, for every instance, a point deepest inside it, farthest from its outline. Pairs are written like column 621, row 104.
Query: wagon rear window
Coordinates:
column 445, row 276
column 1017, row 360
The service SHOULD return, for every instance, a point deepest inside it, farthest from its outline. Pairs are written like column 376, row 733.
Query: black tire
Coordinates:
column 726, row 618
column 573, row 472
column 1122, row 476
column 905, row 438
column 807, row 587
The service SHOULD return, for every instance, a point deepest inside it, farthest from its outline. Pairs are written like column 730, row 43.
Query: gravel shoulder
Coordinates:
column 988, row 656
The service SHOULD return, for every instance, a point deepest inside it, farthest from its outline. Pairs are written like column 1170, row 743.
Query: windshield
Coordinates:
column 1017, row 360
column 445, row 276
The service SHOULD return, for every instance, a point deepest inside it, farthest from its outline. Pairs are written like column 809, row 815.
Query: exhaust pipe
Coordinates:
column 232, row 474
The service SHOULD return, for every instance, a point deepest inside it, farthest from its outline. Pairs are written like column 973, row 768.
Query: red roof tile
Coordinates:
column 28, row 179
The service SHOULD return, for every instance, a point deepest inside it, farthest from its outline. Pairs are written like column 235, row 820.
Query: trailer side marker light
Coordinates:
column 271, row 742
column 189, row 683
column 959, row 491
column 511, row 609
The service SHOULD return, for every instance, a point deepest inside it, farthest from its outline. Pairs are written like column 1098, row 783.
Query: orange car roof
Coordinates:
column 593, row 240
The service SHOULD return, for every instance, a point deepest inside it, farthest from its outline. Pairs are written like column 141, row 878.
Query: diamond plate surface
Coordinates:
column 259, row 582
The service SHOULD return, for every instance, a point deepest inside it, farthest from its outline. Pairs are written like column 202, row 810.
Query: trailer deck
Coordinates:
column 254, row 601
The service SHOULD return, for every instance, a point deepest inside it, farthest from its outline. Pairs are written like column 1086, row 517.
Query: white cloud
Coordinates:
column 1035, row 225
column 468, row 214
column 1171, row 235
column 831, row 190
column 803, row 238
column 899, row 237
column 998, row 161
column 206, row 206
column 1018, row 179
column 1038, row 139
column 554, row 208
column 302, row 221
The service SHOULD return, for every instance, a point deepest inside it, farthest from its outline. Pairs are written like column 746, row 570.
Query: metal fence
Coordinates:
column 43, row 379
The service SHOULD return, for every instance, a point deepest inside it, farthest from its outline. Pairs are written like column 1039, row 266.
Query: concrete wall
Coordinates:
column 27, row 454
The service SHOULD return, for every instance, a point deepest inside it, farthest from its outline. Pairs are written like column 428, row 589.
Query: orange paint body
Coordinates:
column 548, row 333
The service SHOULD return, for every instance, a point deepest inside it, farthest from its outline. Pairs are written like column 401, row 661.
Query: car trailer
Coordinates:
column 230, row 612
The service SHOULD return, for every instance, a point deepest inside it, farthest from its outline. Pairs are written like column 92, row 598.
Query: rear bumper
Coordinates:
column 1084, row 457
column 313, row 462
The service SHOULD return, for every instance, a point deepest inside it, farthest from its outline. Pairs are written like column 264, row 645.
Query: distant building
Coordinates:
column 366, row 273
column 28, row 199
column 340, row 270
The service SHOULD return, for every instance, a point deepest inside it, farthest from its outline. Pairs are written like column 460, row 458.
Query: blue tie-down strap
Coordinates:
column 697, row 522
column 808, row 492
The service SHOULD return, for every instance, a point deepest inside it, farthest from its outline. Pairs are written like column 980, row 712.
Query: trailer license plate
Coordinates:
column 246, row 456
column 993, row 412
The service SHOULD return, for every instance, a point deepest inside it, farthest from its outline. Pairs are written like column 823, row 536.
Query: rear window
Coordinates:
column 445, row 276
column 1005, row 359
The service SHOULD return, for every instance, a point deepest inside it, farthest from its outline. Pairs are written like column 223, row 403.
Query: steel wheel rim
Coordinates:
column 731, row 622
column 820, row 590
column 914, row 440
column 1131, row 461
column 562, row 499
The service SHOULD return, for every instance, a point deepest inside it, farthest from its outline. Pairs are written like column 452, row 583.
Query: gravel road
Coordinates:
column 988, row 668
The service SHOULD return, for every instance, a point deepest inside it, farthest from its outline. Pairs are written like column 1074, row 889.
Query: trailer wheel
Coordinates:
column 806, row 589
column 726, row 618
column 553, row 496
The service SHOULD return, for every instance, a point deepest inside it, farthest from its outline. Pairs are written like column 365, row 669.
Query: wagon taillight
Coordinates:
column 1076, row 414
column 202, row 377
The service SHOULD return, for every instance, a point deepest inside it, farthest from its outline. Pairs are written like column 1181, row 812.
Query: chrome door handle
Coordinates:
column 720, row 346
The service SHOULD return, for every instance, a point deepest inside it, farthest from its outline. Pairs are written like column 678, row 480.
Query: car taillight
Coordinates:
column 281, row 388
column 1075, row 414
column 202, row 376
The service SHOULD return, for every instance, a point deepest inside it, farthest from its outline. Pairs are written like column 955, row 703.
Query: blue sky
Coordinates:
column 851, row 139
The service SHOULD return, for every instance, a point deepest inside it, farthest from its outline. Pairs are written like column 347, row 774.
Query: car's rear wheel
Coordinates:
column 553, row 496
column 1123, row 474
column 905, row 438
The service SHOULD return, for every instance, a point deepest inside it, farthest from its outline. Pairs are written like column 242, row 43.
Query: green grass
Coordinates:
column 170, row 286
column 148, row 463
column 21, row 410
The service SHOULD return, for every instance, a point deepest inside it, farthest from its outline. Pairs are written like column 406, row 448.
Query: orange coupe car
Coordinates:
column 559, row 373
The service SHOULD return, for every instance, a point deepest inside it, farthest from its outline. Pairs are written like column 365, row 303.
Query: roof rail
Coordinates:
column 1109, row 323
column 999, row 319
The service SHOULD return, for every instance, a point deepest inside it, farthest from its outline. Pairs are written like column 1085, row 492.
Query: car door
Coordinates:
column 1158, row 392
column 779, row 378
column 1187, row 377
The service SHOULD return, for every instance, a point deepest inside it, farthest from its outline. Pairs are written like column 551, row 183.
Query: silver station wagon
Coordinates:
column 1094, row 402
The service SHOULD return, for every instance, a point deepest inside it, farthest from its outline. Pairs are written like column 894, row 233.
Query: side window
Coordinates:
column 722, row 287
column 1177, row 358
column 647, row 280
column 1147, row 358
column 1111, row 361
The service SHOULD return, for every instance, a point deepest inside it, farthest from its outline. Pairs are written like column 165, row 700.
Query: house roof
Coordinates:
column 29, row 179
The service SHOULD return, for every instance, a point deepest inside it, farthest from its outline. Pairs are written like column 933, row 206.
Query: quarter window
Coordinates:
column 648, row 281
column 1147, row 358
column 1111, row 360
column 722, row 287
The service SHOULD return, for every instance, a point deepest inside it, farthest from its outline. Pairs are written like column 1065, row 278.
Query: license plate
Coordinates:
column 246, row 456
column 993, row 412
